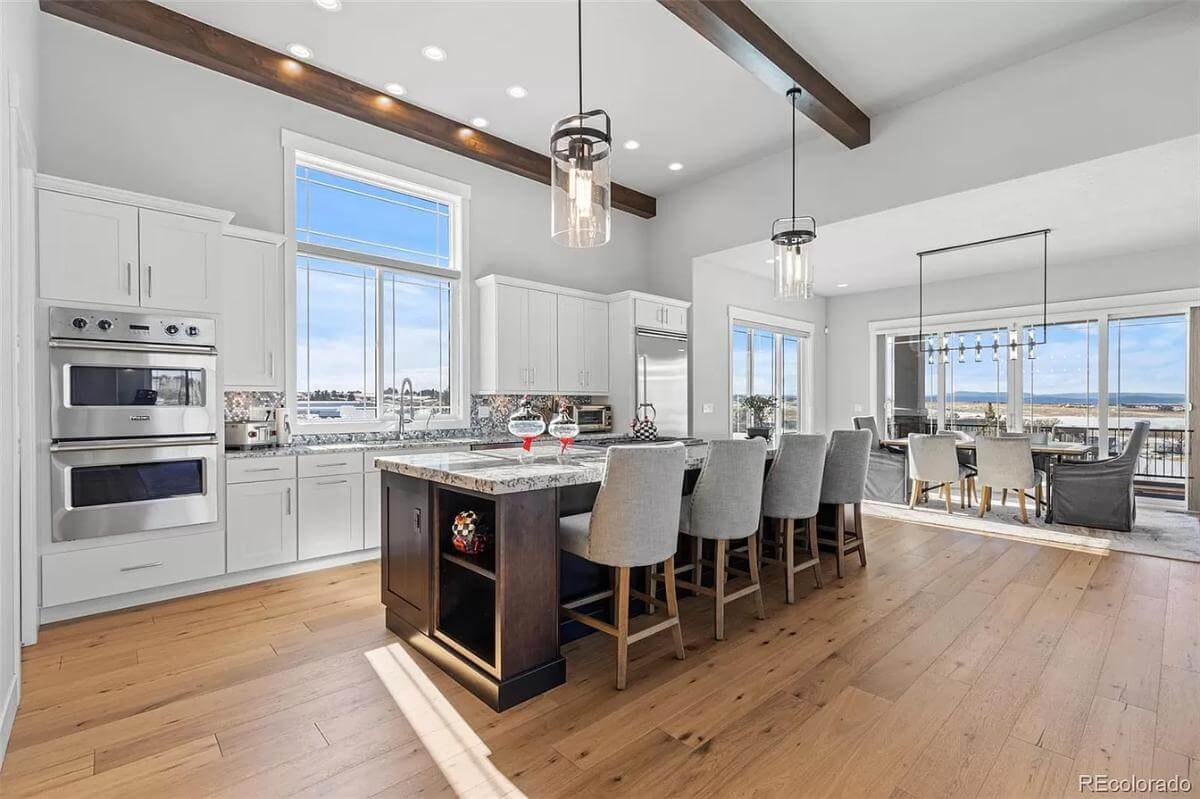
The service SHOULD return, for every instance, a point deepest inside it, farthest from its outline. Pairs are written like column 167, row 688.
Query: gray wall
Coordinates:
column 714, row 289
column 848, row 344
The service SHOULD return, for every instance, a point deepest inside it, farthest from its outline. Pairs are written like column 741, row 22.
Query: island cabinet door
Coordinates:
column 407, row 549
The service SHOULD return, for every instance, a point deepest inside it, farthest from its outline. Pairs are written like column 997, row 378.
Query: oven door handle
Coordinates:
column 132, row 346
column 138, row 443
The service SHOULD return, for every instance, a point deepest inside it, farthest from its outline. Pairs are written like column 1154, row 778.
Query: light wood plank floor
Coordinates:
column 954, row 665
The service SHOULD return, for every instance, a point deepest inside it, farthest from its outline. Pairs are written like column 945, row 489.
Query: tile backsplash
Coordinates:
column 489, row 415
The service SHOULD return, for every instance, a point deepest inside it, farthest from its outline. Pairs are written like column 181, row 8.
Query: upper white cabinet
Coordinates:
column 518, row 330
column 104, row 245
column 656, row 315
column 582, row 345
column 252, row 309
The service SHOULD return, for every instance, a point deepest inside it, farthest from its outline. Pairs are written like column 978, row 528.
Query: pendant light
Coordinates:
column 791, row 236
column 580, row 171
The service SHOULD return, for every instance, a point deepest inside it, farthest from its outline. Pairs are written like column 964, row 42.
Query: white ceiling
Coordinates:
column 1137, row 201
column 663, row 85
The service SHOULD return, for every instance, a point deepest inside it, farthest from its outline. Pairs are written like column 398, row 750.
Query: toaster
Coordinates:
column 249, row 435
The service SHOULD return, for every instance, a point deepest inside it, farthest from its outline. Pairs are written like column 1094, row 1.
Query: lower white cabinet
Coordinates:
column 261, row 524
column 331, row 515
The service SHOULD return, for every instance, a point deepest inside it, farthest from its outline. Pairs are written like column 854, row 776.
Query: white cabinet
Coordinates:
column 181, row 259
column 331, row 515
column 660, row 316
column 252, row 310
column 582, row 345
column 372, row 511
column 88, row 249
column 260, row 524
column 518, row 328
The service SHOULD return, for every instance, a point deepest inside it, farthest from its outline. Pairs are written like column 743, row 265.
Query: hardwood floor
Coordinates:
column 954, row 665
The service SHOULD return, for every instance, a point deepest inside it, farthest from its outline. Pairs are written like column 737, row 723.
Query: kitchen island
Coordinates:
column 491, row 620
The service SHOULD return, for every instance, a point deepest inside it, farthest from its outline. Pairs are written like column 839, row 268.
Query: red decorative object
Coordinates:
column 470, row 534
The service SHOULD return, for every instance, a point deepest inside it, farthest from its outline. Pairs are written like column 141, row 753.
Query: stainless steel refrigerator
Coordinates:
column 661, row 379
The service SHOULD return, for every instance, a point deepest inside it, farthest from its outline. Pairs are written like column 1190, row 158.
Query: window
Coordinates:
column 767, row 361
column 378, row 276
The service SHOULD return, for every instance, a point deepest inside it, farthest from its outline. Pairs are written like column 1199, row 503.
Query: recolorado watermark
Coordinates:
column 1103, row 783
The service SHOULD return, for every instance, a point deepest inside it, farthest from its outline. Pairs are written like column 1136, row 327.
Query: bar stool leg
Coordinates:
column 650, row 608
column 697, row 552
column 719, row 583
column 622, row 625
column 789, row 543
column 840, row 543
column 758, row 594
column 815, row 551
column 673, row 606
column 858, row 531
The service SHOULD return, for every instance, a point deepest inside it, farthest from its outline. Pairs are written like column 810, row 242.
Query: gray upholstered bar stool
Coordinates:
column 793, row 493
column 843, row 483
column 725, row 506
column 634, row 523
column 934, row 459
column 1006, row 463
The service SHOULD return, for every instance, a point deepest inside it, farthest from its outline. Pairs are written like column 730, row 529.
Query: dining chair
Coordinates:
column 843, row 482
column 1098, row 493
column 966, row 458
column 791, row 494
column 634, row 523
column 725, row 506
column 1006, row 463
column 934, row 459
column 1040, row 462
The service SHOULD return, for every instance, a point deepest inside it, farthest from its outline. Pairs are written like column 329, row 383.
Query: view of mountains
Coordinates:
column 1124, row 398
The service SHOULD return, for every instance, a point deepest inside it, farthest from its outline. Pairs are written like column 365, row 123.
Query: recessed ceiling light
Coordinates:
column 394, row 88
column 674, row 166
column 516, row 92
column 632, row 144
column 433, row 52
column 842, row 285
column 329, row 5
column 479, row 122
column 300, row 51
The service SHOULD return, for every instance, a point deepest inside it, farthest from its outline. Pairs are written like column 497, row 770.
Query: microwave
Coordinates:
column 594, row 418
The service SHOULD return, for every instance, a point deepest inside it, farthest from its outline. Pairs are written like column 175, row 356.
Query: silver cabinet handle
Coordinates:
column 141, row 566
column 332, row 482
column 264, row 469
column 129, row 277
column 587, row 378
column 532, row 376
column 149, row 280
column 289, row 501
column 329, row 465
column 271, row 364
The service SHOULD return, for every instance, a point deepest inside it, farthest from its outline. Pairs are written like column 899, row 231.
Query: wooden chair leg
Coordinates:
column 858, row 531
column 984, row 500
column 840, row 542
column 758, row 595
column 697, row 552
column 1021, row 502
column 673, row 606
column 815, row 551
column 949, row 501
column 622, row 625
column 962, row 494
column 719, row 588
column 1037, row 500
column 650, row 607
column 916, row 492
column 789, row 556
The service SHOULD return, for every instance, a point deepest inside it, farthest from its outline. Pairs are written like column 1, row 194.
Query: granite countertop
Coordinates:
column 501, row 472
column 385, row 444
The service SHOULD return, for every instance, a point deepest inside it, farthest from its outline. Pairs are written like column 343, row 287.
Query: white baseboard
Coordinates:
column 151, row 595
column 8, row 712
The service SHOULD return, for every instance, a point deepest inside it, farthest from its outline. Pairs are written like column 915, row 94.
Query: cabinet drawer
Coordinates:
column 106, row 571
column 251, row 470
column 323, row 465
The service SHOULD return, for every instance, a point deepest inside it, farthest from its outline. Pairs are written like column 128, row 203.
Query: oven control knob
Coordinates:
column 172, row 329
column 192, row 330
column 79, row 323
column 104, row 324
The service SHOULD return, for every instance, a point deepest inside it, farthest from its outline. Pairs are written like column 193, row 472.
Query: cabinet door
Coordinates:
column 648, row 314
column 252, row 314
column 595, row 345
column 572, row 352
column 675, row 318
column 543, row 350
column 88, row 249
column 512, row 339
column 407, row 570
column 260, row 524
column 331, row 515
column 372, row 516
column 180, row 258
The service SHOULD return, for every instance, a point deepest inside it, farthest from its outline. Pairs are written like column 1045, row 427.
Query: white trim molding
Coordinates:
column 123, row 197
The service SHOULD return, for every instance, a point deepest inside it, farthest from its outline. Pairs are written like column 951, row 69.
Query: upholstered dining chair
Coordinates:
column 1098, row 493
column 1006, row 463
column 633, row 523
column 934, row 459
column 966, row 458
column 791, row 494
column 725, row 506
column 887, row 469
column 843, row 483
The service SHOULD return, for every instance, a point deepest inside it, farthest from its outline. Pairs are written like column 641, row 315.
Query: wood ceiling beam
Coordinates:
column 166, row 31
column 740, row 34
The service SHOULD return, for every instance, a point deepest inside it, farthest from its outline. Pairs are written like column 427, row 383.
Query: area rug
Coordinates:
column 1158, row 532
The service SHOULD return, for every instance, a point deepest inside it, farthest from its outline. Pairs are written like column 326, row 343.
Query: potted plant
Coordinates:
column 759, row 406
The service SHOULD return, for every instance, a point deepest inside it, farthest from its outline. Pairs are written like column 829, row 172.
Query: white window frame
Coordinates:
column 457, row 195
column 797, row 328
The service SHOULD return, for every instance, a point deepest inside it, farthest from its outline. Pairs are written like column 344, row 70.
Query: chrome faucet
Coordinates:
column 406, row 384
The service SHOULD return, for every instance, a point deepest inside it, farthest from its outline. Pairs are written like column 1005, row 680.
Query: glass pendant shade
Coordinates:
column 581, row 180
column 793, row 267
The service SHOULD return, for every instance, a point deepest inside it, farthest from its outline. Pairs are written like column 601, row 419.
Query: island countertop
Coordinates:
column 500, row 471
